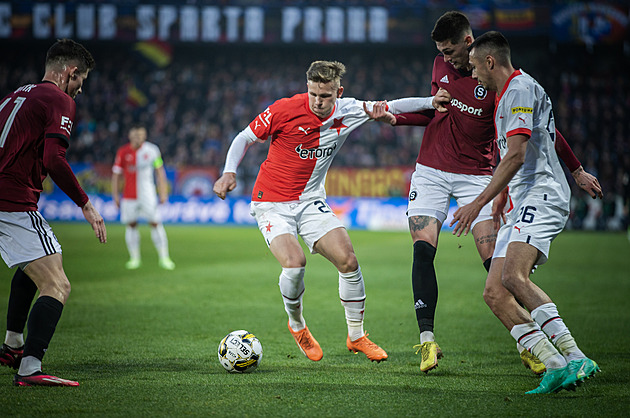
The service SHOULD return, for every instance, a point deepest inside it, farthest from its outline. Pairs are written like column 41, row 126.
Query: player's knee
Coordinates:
column 348, row 263
column 423, row 251
column 58, row 288
column 293, row 261
column 490, row 296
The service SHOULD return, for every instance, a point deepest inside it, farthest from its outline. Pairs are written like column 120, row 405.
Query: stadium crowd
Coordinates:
column 196, row 105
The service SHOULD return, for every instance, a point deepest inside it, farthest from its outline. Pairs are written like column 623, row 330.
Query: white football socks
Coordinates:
column 132, row 238
column 14, row 339
column 552, row 324
column 292, row 289
column 426, row 336
column 352, row 295
column 530, row 336
column 160, row 241
column 29, row 365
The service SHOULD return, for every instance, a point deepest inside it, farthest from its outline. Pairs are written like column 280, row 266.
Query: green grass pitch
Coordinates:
column 144, row 343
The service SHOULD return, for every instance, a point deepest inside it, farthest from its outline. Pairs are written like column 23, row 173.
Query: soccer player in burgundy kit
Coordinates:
column 35, row 124
column 306, row 131
column 137, row 161
column 456, row 159
column 538, row 197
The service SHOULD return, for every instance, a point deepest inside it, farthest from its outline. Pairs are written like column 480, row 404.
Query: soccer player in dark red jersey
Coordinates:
column 456, row 160
column 35, row 125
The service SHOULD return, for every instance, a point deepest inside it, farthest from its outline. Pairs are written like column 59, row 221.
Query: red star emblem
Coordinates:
column 338, row 124
column 268, row 226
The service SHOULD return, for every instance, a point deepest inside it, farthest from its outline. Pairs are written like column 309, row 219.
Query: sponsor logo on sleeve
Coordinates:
column 263, row 119
column 522, row 110
column 66, row 124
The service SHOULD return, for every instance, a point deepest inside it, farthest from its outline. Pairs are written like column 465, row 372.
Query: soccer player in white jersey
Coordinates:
column 288, row 199
column 137, row 161
column 530, row 181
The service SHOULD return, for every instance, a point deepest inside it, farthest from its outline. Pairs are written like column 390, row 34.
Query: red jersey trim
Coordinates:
column 519, row 131
column 507, row 83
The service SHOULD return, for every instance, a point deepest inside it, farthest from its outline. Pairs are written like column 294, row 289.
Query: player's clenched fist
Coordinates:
column 441, row 99
column 225, row 184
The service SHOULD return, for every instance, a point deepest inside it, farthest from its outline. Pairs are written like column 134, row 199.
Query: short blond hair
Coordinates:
column 326, row 72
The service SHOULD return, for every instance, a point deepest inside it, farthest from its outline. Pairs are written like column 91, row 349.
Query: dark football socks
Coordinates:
column 23, row 290
column 424, row 283
column 41, row 325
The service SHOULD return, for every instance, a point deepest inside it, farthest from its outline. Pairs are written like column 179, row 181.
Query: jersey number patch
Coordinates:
column 19, row 101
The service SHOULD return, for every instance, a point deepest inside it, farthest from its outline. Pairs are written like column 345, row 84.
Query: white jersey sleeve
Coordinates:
column 237, row 149
column 410, row 105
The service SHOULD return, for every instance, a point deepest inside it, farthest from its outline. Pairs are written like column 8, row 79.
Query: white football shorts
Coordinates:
column 535, row 222
column 309, row 219
column 24, row 237
column 131, row 210
column 431, row 191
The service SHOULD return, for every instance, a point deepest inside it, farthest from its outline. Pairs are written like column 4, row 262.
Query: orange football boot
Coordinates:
column 307, row 343
column 367, row 347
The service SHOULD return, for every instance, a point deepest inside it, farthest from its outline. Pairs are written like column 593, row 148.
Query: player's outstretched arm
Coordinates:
column 379, row 113
column 96, row 220
column 588, row 182
column 225, row 184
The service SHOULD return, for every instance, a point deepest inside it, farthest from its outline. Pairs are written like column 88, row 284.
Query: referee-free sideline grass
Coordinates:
column 144, row 342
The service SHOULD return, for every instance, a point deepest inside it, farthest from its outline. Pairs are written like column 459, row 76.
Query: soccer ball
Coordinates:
column 240, row 352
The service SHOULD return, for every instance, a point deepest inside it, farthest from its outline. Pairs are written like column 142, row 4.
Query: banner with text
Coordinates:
column 378, row 214
column 278, row 22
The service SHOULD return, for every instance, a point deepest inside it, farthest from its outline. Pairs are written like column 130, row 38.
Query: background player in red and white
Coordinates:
column 136, row 162
column 456, row 160
column 35, row 126
column 306, row 131
column 538, row 198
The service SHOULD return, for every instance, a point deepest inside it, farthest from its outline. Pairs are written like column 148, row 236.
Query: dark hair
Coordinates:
column 67, row 51
column 451, row 26
column 495, row 44
column 136, row 125
column 325, row 72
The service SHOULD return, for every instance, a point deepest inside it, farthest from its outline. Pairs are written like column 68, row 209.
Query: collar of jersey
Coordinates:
column 507, row 83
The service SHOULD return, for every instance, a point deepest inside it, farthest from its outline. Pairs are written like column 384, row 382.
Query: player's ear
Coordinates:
column 490, row 62
column 73, row 72
column 339, row 91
